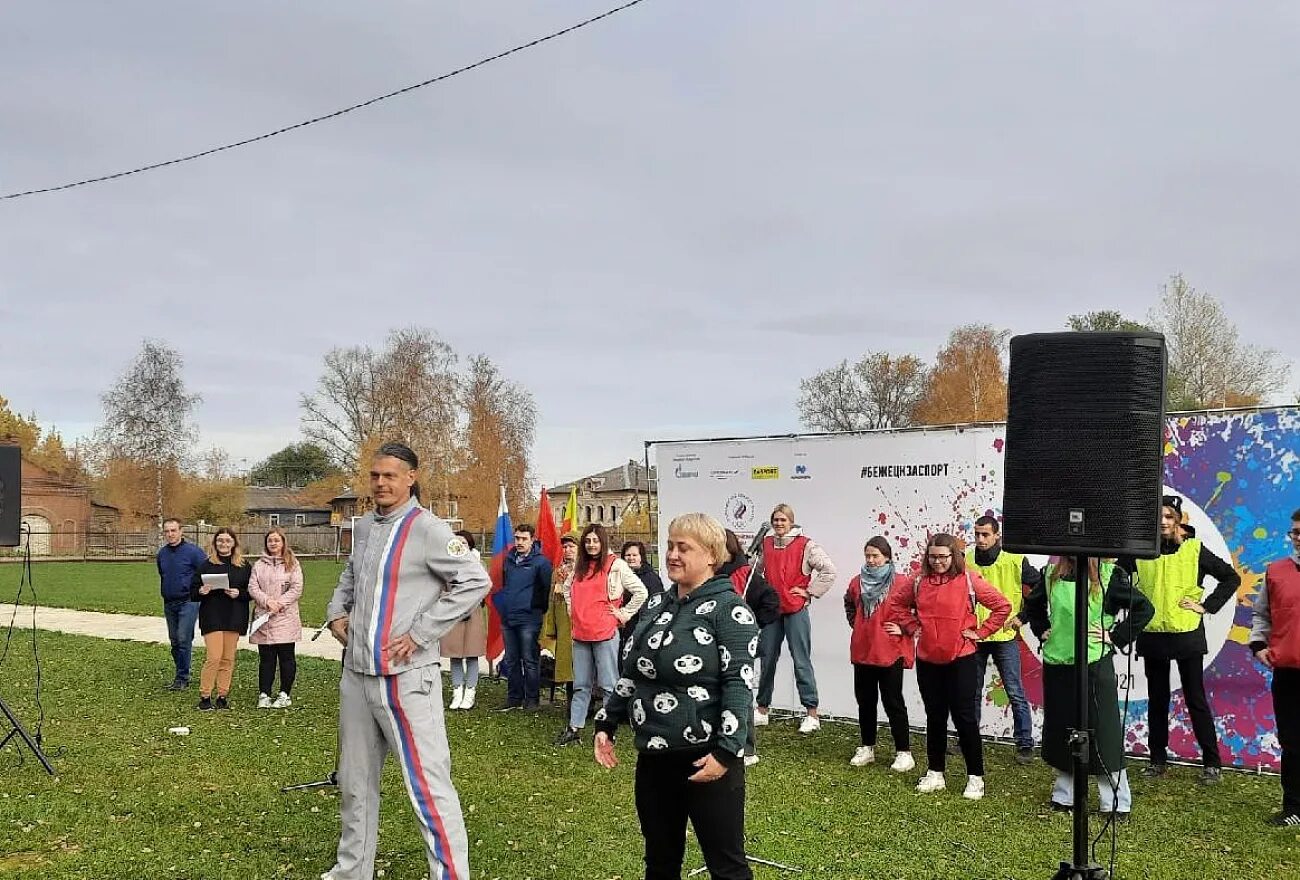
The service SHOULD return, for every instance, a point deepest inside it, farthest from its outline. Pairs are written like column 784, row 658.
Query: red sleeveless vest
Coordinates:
column 783, row 567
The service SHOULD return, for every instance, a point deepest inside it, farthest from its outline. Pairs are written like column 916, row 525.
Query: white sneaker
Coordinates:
column 760, row 718
column 467, row 702
column 863, row 756
column 974, row 788
column 903, row 762
column 282, row 701
column 751, row 760
column 809, row 724
column 932, row 781
column 263, row 701
column 457, row 695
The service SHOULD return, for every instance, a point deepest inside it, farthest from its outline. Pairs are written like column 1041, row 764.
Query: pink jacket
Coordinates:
column 270, row 581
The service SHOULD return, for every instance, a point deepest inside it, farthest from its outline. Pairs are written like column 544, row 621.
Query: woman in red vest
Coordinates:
column 940, row 607
column 594, row 595
column 799, row 571
column 879, row 657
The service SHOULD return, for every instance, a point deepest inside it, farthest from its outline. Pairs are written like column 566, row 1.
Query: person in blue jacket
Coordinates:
column 520, row 604
column 178, row 561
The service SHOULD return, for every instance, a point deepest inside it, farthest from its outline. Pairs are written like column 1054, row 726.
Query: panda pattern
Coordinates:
column 742, row 615
column 646, row 667
column 664, row 703
column 730, row 723
column 638, row 713
column 702, row 636
column 624, row 687
column 753, row 647
column 688, row 664
column 697, row 693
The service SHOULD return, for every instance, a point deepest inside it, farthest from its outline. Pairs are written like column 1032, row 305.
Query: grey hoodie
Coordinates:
column 431, row 579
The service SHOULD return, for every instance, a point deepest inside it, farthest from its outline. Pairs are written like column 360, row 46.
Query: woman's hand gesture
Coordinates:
column 604, row 750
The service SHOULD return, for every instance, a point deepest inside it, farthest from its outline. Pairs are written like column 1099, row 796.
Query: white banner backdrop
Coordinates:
column 844, row 489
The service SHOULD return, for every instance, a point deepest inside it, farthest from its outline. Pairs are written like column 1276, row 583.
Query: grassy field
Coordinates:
column 134, row 801
column 132, row 587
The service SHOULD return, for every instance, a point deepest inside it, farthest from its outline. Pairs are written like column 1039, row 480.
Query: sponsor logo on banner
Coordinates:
column 801, row 472
column 739, row 512
column 765, row 472
column 686, row 467
column 724, row 473
column 903, row 471
column 740, row 456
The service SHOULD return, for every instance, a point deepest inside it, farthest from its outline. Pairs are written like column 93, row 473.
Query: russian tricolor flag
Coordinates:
column 503, row 542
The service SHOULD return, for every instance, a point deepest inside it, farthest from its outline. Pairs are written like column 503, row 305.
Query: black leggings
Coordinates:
column 885, row 682
column 1198, row 707
column 266, row 667
column 952, row 689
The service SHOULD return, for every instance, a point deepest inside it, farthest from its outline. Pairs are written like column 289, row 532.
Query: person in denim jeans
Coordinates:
column 178, row 560
column 1013, row 577
column 521, row 602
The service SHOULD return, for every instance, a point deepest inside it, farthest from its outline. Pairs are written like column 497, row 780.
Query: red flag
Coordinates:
column 546, row 531
column 502, row 543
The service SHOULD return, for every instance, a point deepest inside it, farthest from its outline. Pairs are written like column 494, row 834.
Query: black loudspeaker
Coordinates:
column 1085, row 439
column 11, row 495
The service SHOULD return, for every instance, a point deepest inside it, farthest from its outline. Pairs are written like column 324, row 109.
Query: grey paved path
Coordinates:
column 141, row 628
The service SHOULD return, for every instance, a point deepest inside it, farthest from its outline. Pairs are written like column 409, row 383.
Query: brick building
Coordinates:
column 604, row 497
column 61, row 514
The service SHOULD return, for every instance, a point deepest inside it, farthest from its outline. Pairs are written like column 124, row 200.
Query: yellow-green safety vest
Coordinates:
column 1006, row 576
column 1058, row 647
column 1166, row 580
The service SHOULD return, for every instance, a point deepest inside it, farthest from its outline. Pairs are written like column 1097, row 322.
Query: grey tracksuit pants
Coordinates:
column 403, row 714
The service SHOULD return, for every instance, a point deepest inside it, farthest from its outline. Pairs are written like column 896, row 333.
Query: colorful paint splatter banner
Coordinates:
column 1236, row 472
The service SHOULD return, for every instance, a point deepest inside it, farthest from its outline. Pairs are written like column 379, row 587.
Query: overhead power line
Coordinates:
column 328, row 116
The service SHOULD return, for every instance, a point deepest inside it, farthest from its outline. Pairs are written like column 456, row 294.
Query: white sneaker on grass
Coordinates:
column 932, row 781
column 810, row 724
column 282, row 701
column 974, row 788
column 457, row 694
column 760, row 718
column 263, row 701
column 863, row 756
column 467, row 702
column 903, row 762
column 751, row 759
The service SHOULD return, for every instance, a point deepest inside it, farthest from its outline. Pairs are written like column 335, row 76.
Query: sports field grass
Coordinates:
column 132, row 587
column 133, row 801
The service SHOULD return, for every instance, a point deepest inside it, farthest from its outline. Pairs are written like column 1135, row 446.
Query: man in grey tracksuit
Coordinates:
column 408, row 581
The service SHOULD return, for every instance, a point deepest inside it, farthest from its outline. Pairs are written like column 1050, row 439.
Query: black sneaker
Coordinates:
column 205, row 704
column 1285, row 820
column 568, row 735
column 532, row 706
column 1119, row 818
column 178, row 684
column 1058, row 807
column 1211, row 776
column 221, row 703
column 1024, row 756
column 507, row 707
column 1154, row 771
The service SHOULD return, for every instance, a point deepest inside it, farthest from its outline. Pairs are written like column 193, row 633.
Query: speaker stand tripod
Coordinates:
column 333, row 777
column 1081, row 867
column 19, row 731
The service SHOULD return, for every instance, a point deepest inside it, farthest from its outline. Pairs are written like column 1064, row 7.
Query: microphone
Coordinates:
column 756, row 544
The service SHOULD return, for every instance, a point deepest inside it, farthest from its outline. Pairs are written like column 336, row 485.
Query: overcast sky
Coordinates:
column 658, row 224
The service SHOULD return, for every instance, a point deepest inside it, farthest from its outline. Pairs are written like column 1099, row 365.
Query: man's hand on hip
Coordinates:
column 339, row 629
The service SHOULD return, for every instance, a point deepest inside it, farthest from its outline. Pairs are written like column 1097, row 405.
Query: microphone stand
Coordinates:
column 333, row 778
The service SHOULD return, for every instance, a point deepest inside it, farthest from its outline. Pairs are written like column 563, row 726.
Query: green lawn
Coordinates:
column 134, row 801
column 132, row 587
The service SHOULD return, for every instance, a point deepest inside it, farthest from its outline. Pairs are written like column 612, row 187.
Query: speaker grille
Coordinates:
column 11, row 495
column 1085, row 435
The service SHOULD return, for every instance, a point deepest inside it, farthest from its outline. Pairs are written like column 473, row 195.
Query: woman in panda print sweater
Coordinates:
column 685, row 686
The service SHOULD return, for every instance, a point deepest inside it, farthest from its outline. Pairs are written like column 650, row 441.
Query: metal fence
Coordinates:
column 332, row 541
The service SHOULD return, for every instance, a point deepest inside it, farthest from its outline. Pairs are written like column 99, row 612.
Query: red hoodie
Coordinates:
column 870, row 645
column 941, row 608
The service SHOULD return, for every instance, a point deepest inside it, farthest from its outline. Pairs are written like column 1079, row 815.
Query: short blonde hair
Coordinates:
column 782, row 508
column 705, row 531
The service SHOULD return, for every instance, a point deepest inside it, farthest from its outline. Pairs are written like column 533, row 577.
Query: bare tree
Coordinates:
column 1103, row 321
column 149, row 415
column 500, row 424
column 407, row 391
column 969, row 379
column 1208, row 363
column 878, row 391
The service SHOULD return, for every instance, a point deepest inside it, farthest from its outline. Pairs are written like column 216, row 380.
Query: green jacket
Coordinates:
column 1050, row 606
column 686, row 673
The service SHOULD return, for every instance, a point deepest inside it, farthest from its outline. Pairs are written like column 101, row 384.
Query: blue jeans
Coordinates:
column 182, row 615
column 1006, row 656
column 796, row 630
column 522, row 662
column 594, row 664
column 464, row 672
column 1113, row 799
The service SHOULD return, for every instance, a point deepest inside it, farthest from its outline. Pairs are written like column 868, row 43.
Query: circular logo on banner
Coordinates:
column 739, row 512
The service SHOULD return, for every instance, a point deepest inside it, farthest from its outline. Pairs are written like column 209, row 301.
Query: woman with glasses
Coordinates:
column 1177, row 634
column 939, row 610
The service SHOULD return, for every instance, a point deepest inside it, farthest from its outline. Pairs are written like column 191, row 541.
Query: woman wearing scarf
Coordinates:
column 879, row 658
column 1049, row 611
